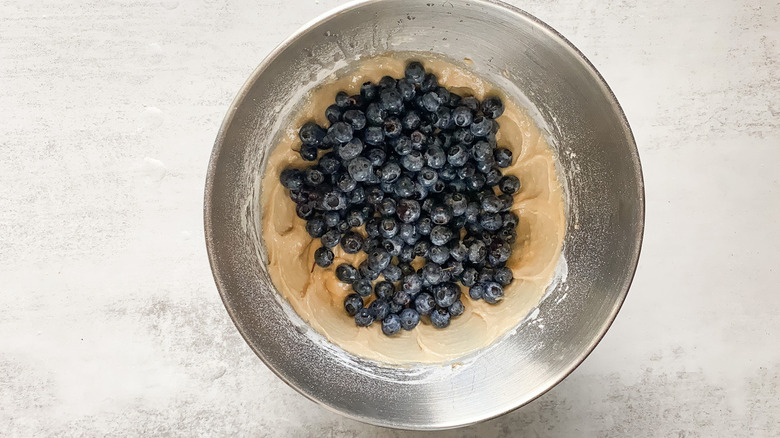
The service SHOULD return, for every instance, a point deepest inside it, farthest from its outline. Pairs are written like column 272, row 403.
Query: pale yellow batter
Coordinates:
column 318, row 297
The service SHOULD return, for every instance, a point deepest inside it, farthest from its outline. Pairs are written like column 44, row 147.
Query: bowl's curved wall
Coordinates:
column 597, row 157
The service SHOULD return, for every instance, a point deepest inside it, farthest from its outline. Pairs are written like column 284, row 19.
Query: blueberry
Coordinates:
column 374, row 195
column 402, row 297
column 440, row 235
column 393, row 246
column 510, row 220
column 509, row 184
column 387, row 82
column 431, row 273
column 429, row 83
column 477, row 252
column 341, row 132
column 304, row 211
column 331, row 218
column 492, row 107
column 368, row 90
column 411, row 120
column 315, row 227
column 374, row 135
column 458, row 155
column 308, row 152
column 323, row 257
column 334, row 200
column 333, row 113
column 366, row 273
column 351, row 242
column 424, row 226
column 392, row 273
column 391, row 100
column 412, row 162
column 403, row 145
column 404, row 187
column 493, row 292
column 443, row 118
column 387, row 207
column 427, row 177
column 390, row 171
column 359, row 168
column 406, row 268
column 508, row 235
column 491, row 204
column 415, row 72
column 422, row 248
column 368, row 246
column 498, row 252
column 458, row 250
column 329, row 163
column 406, row 231
column 407, row 254
column 464, row 136
column 446, row 293
column 420, row 191
column 458, row 222
column 471, row 103
column 395, row 308
column 482, row 151
column 409, row 319
column 428, row 205
column 435, row 157
column 379, row 259
column 331, row 238
column 468, row 170
column 362, row 287
column 391, row 325
column 493, row 176
column 441, row 214
column 379, row 309
column 455, row 267
column 388, row 227
column 440, row 318
column 384, row 290
column 490, row 221
column 430, row 102
column 462, row 116
column 424, row 303
column 417, row 139
column 406, row 89
column 408, row 210
column 357, row 101
column 439, row 254
column 484, row 166
column 342, row 226
column 355, row 218
column 411, row 284
column 481, row 126
column 353, row 303
column 291, row 179
column 372, row 226
column 342, row 99
column 392, row 127
column 502, row 157
column 357, row 195
column 375, row 114
column 477, row 291
column 355, row 118
column 363, row 318
column 503, row 276
column 448, row 173
column 506, row 202
column 376, row 156
column 476, row 182
column 345, row 183
column 311, row 133
column 472, row 212
column 456, row 309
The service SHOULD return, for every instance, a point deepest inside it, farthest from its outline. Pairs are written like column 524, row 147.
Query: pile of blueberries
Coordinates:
column 416, row 165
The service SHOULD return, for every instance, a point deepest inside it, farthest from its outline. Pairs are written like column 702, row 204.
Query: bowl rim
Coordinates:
column 516, row 13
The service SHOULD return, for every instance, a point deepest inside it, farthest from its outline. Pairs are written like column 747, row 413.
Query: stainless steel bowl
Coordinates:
column 597, row 158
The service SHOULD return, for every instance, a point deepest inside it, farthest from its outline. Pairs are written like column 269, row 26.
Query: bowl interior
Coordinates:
column 597, row 159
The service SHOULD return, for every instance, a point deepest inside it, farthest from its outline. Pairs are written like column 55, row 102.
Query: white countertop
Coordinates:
column 110, row 323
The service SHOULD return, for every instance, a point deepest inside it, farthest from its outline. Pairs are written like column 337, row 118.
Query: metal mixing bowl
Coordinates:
column 597, row 160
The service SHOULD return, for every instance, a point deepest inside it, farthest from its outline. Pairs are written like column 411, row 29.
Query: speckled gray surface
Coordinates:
column 111, row 323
